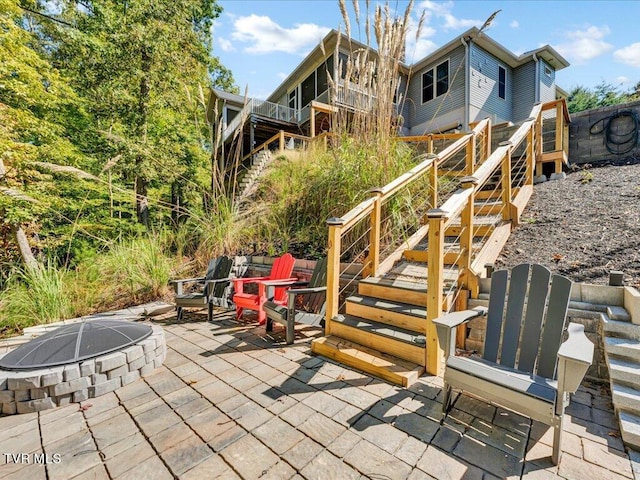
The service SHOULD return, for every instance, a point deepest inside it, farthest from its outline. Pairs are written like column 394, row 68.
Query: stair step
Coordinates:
column 396, row 314
column 395, row 341
column 625, row 397
column 618, row 313
column 622, row 347
column 382, row 365
column 624, row 371
column 621, row 329
column 394, row 289
column 630, row 428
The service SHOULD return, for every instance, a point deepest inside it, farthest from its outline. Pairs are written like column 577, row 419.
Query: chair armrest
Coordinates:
column 284, row 282
column 452, row 320
column 575, row 356
column 186, row 280
column 306, row 291
column 446, row 324
column 249, row 280
column 219, row 280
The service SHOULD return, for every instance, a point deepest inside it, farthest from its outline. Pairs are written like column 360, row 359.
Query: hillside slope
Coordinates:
column 583, row 226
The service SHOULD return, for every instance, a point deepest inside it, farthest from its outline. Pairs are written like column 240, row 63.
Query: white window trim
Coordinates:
column 547, row 70
column 434, row 69
column 505, row 82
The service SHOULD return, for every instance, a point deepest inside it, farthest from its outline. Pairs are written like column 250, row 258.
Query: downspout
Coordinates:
column 537, row 89
column 467, row 84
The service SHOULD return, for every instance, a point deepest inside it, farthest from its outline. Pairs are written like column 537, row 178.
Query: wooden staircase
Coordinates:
column 385, row 326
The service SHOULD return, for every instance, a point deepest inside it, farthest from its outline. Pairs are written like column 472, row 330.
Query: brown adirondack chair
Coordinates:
column 215, row 286
column 313, row 306
column 280, row 273
column 524, row 367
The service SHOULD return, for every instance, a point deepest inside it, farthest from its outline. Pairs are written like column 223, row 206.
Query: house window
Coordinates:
column 434, row 87
column 427, row 86
column 547, row 71
column 442, row 83
column 308, row 89
column 292, row 98
column 502, row 82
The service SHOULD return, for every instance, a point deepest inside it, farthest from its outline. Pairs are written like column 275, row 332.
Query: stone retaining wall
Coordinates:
column 587, row 148
column 34, row 390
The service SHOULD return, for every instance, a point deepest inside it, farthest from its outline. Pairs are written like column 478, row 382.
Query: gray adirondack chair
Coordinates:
column 214, row 291
column 314, row 302
column 524, row 367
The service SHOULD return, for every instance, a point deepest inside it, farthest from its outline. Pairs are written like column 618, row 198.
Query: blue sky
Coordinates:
column 263, row 41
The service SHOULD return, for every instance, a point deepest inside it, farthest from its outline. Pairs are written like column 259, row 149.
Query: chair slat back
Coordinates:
column 554, row 324
column 533, row 320
column 527, row 333
column 494, row 315
column 315, row 302
column 513, row 320
column 219, row 267
column 282, row 268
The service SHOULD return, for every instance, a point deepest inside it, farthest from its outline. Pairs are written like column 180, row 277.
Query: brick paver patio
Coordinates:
column 232, row 402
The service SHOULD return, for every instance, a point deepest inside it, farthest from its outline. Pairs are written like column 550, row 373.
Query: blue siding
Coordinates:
column 547, row 82
column 524, row 90
column 447, row 106
column 484, row 100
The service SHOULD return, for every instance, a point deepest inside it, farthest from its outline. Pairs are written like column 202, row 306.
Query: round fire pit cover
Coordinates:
column 74, row 343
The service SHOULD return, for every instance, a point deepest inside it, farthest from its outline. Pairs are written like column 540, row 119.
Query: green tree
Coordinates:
column 143, row 67
column 602, row 95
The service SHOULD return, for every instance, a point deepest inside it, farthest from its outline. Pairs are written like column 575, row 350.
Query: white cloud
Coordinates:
column 442, row 10
column 629, row 55
column 621, row 80
column 225, row 45
column 265, row 36
column 583, row 45
column 281, row 75
column 514, row 24
column 418, row 48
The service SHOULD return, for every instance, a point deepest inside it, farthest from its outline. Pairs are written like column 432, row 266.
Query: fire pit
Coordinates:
column 78, row 361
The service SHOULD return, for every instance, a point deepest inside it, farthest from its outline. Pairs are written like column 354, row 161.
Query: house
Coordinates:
column 470, row 78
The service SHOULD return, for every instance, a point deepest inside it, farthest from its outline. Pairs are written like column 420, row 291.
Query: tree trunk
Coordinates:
column 25, row 249
column 21, row 238
column 142, row 201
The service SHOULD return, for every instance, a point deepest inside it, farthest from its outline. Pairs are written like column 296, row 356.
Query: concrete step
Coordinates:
column 382, row 365
column 625, row 397
column 622, row 347
column 618, row 313
column 623, row 370
column 399, row 342
column 630, row 428
column 396, row 314
column 620, row 329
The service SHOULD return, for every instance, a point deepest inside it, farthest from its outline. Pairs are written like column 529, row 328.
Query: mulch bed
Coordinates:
column 584, row 226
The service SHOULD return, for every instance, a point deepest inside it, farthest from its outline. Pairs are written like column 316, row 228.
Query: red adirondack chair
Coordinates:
column 280, row 272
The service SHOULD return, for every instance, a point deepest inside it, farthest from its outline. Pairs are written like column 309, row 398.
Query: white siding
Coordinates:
column 449, row 106
column 484, row 101
column 524, row 91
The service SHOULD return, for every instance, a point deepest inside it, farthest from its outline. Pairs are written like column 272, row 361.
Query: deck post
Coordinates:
column 505, row 182
column 312, row 121
column 373, row 259
column 281, row 140
column 539, row 146
column 434, row 360
column 333, row 271
column 430, row 143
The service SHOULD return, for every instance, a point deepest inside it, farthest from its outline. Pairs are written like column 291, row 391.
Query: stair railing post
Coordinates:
column 434, row 360
column 470, row 157
column 559, row 129
column 433, row 183
column 373, row 258
column 333, row 270
column 487, row 140
column 466, row 234
column 538, row 141
column 430, row 143
column 531, row 157
column 505, row 181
